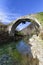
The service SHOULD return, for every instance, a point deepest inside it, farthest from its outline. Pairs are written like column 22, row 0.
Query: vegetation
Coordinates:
column 39, row 16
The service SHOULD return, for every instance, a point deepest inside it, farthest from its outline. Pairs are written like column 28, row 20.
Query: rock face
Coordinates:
column 37, row 49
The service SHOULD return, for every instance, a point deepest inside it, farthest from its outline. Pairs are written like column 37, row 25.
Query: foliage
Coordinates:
column 39, row 16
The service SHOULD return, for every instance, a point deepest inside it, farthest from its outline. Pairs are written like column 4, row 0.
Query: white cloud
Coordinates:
column 8, row 17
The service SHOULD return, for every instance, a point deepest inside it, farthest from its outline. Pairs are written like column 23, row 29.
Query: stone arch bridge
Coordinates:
column 35, row 24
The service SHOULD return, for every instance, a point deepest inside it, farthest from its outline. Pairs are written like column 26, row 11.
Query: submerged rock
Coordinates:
column 6, row 60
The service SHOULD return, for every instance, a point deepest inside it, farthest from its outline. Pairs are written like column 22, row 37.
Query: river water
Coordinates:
column 11, row 52
column 23, row 47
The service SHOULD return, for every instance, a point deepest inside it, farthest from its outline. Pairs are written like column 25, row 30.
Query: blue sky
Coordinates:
column 22, row 26
column 12, row 9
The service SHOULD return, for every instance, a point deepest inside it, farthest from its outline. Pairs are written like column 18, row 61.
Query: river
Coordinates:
column 11, row 52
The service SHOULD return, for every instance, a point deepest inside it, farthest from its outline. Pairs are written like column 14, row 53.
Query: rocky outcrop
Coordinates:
column 4, row 37
column 37, row 49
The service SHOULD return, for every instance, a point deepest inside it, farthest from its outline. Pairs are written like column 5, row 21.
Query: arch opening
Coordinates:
column 22, row 25
column 33, row 25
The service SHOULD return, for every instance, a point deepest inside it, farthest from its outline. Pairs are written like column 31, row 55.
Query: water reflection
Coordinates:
column 24, row 48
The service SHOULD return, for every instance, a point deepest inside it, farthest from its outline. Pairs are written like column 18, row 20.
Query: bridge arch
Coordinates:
column 23, row 20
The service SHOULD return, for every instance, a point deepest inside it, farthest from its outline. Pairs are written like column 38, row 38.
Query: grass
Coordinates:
column 39, row 17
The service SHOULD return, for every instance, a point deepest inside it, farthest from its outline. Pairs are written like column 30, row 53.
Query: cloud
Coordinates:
column 8, row 12
column 8, row 17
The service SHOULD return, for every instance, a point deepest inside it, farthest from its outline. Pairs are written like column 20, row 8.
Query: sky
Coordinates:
column 12, row 9
column 22, row 26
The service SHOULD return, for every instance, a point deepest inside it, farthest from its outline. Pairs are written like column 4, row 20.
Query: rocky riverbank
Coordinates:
column 4, row 37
